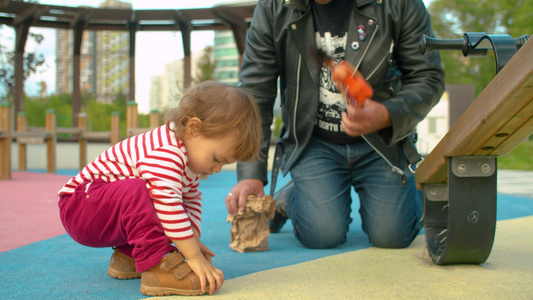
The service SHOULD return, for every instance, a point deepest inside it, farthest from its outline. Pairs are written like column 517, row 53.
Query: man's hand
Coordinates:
column 372, row 117
column 236, row 199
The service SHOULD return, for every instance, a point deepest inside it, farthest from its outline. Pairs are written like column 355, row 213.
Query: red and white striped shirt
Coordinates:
column 158, row 157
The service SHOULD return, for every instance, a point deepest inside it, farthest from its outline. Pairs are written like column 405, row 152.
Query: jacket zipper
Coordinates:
column 394, row 168
column 391, row 49
column 367, row 47
column 296, row 105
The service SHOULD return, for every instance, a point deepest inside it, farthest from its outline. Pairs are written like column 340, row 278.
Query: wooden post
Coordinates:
column 22, row 122
column 154, row 118
column 5, row 141
column 50, row 125
column 115, row 128
column 82, row 125
column 131, row 115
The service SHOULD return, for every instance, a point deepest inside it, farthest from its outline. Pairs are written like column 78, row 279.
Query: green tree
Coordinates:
column 99, row 114
column 35, row 109
column 205, row 66
column 32, row 63
column 452, row 18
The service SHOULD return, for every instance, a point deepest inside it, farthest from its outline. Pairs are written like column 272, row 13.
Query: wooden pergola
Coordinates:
column 22, row 15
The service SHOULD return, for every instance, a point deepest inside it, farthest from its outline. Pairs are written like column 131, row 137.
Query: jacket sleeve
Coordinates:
column 422, row 76
column 259, row 75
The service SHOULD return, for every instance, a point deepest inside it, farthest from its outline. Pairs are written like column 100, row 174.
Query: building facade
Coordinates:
column 104, row 61
column 453, row 103
column 166, row 89
column 226, row 57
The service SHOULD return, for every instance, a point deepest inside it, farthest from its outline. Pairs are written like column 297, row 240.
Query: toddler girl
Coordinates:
column 142, row 195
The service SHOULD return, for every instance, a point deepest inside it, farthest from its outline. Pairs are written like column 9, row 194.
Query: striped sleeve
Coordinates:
column 192, row 202
column 169, row 185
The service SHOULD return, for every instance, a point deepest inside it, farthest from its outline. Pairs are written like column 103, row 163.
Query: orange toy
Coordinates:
column 356, row 86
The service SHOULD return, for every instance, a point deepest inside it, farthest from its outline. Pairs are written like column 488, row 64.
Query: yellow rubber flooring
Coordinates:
column 376, row 273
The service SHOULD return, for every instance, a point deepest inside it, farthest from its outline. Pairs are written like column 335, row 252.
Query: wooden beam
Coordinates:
column 185, row 27
column 238, row 26
column 187, row 64
column 27, row 15
column 5, row 140
column 20, row 43
column 133, row 34
column 78, row 29
column 50, row 124
column 57, row 16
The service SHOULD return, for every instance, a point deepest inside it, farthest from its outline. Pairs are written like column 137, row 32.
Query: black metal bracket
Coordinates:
column 477, row 44
column 460, row 215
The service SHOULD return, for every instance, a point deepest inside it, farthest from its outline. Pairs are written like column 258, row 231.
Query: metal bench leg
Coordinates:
column 460, row 216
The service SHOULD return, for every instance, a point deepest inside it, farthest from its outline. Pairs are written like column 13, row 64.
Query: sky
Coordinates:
column 153, row 49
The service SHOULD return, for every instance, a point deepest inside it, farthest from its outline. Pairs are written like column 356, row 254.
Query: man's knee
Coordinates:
column 320, row 238
column 393, row 238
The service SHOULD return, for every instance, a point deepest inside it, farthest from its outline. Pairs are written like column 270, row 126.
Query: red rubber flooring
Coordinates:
column 28, row 209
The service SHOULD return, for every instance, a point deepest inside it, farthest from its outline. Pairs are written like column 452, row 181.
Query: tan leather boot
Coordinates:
column 172, row 276
column 122, row 266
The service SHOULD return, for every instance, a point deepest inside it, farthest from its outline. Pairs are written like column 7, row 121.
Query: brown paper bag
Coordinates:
column 249, row 228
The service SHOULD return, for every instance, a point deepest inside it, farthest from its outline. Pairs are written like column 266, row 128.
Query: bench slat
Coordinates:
column 520, row 135
column 30, row 140
column 508, row 133
column 32, row 134
column 503, row 99
column 135, row 131
column 96, row 135
column 68, row 130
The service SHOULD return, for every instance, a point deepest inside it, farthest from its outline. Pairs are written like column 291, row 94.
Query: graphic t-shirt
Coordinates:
column 331, row 25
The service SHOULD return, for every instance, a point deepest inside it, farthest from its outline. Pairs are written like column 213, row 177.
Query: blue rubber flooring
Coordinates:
column 59, row 268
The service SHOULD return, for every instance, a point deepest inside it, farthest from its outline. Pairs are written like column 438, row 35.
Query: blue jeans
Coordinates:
column 320, row 205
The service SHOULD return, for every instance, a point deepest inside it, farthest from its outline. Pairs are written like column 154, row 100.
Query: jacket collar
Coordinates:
column 304, row 28
column 303, row 5
column 360, row 3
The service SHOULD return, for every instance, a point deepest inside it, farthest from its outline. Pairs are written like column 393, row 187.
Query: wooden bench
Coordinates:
column 25, row 135
column 132, row 128
column 36, row 135
column 458, row 177
column 5, row 141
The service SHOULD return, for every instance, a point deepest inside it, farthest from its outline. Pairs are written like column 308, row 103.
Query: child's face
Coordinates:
column 207, row 155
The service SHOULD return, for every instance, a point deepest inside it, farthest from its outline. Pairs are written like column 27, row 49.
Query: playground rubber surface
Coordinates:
column 38, row 260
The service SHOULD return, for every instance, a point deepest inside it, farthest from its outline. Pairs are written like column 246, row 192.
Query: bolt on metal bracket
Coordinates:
column 436, row 191
column 473, row 166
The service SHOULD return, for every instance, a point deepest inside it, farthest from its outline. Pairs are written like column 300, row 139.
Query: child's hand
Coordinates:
column 196, row 254
column 208, row 254
column 207, row 273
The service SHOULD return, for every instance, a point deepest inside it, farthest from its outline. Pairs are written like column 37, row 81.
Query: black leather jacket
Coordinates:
column 281, row 42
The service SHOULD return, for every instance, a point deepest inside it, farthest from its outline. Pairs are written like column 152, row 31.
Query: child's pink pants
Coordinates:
column 118, row 214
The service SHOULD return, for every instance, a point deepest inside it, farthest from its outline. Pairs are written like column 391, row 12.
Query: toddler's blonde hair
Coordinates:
column 221, row 108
